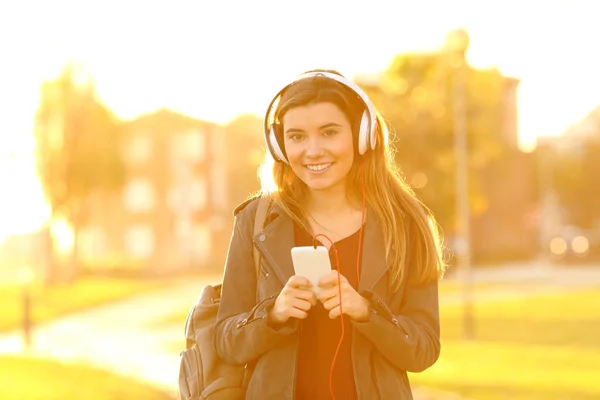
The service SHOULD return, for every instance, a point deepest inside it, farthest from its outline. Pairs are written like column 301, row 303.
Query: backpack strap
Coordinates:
column 264, row 203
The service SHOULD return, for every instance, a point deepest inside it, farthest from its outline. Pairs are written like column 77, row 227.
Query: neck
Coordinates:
column 332, row 201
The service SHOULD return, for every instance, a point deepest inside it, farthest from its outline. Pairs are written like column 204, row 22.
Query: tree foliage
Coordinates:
column 245, row 151
column 416, row 96
column 78, row 145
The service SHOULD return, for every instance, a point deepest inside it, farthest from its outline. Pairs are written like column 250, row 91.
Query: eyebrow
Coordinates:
column 328, row 125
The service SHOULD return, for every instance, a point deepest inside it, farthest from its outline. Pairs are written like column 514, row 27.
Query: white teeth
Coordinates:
column 319, row 167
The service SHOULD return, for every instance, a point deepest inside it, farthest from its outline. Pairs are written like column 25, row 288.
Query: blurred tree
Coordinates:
column 78, row 151
column 415, row 95
column 245, row 152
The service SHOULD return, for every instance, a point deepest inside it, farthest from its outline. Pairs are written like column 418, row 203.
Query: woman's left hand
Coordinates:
column 353, row 304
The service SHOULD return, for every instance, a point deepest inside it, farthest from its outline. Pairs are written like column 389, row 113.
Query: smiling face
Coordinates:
column 319, row 145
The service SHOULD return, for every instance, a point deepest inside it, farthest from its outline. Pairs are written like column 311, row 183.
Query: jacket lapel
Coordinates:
column 276, row 240
column 275, row 243
column 373, row 263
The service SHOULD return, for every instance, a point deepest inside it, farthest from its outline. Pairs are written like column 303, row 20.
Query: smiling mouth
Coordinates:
column 318, row 167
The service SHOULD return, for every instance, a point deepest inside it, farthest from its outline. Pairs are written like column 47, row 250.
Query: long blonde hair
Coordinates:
column 411, row 234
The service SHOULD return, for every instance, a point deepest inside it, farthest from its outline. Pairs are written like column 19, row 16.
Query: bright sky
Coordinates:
column 213, row 60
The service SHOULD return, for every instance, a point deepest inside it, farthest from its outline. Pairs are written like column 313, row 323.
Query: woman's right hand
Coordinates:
column 294, row 301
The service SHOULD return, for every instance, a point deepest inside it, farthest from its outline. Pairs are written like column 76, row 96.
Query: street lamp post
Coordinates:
column 26, row 277
column 457, row 44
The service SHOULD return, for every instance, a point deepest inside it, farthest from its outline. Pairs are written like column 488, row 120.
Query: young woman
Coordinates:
column 376, row 314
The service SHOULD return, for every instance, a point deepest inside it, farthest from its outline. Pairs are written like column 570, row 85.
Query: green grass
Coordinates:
column 36, row 379
column 448, row 286
column 54, row 301
column 546, row 348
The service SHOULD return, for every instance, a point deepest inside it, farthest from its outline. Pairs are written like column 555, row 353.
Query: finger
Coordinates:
column 297, row 313
column 327, row 294
column 312, row 297
column 334, row 312
column 298, row 281
column 331, row 303
column 304, row 294
column 293, row 292
column 331, row 278
column 301, row 304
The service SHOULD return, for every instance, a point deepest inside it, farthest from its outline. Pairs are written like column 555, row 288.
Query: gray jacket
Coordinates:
column 402, row 334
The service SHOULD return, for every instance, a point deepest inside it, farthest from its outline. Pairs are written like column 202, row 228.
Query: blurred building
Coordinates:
column 507, row 229
column 575, row 137
column 172, row 213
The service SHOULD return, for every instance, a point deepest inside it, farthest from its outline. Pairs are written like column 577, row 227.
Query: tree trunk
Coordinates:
column 73, row 269
column 49, row 265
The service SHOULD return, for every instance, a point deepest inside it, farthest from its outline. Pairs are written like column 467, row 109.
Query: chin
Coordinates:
column 315, row 184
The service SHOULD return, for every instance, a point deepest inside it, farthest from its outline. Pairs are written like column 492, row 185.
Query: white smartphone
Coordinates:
column 311, row 263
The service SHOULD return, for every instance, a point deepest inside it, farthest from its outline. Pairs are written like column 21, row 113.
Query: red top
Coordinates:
column 320, row 335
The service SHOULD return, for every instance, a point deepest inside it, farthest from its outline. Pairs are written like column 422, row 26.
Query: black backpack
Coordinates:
column 202, row 374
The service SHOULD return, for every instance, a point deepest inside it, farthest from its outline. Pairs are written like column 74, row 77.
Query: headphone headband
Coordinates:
column 368, row 128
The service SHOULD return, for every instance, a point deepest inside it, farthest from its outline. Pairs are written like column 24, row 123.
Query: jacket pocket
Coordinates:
column 223, row 388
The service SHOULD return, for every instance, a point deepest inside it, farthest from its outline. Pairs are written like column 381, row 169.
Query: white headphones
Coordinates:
column 368, row 124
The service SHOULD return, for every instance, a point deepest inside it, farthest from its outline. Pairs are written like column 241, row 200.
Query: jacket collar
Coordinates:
column 276, row 240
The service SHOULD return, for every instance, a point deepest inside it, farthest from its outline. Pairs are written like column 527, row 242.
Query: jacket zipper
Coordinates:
column 270, row 262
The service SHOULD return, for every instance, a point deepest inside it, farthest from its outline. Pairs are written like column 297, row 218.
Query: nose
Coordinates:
column 314, row 147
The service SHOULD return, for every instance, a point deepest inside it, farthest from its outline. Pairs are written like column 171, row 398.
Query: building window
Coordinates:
column 173, row 199
column 139, row 195
column 189, row 146
column 218, row 170
column 219, row 188
column 198, row 194
column 92, row 242
column 139, row 149
column 139, row 242
column 195, row 145
column 183, row 229
column 188, row 197
column 202, row 243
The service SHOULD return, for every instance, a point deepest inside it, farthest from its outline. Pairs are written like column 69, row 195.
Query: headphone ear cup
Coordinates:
column 373, row 135
column 363, row 134
column 274, row 147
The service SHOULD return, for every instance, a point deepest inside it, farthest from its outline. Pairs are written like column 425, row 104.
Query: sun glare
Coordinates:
column 63, row 236
column 179, row 67
column 265, row 175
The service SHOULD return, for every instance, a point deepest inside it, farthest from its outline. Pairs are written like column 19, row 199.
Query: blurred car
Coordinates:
column 574, row 243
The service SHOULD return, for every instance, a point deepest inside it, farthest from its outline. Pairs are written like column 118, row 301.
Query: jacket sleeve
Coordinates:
column 241, row 331
column 410, row 339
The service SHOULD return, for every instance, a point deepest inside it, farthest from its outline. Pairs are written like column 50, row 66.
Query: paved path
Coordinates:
column 124, row 337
